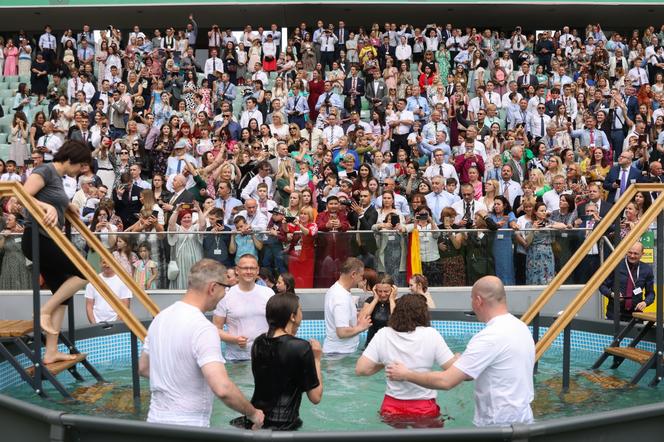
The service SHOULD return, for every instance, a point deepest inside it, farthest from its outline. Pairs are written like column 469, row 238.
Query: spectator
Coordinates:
column 502, row 251
column 97, row 308
column 185, row 243
column 540, row 265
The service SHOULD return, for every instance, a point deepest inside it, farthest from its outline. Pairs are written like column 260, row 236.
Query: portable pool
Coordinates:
column 350, row 403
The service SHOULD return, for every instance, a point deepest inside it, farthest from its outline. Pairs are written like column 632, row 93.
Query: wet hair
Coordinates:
column 371, row 277
column 411, row 311
column 279, row 309
column 75, row 152
column 289, row 280
column 422, row 280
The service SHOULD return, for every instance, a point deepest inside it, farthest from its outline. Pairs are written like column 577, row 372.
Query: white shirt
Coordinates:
column 506, row 98
column 501, row 358
column 513, row 190
column 340, row 311
column 460, row 208
column 180, row 342
column 245, row 316
column 212, row 65
column 448, row 171
column 551, row 199
column 418, row 350
column 248, row 115
column 102, row 311
column 404, row 115
column 250, row 189
column 52, row 142
column 331, row 134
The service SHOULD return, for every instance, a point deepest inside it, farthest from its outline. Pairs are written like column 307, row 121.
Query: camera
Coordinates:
column 394, row 219
column 422, row 216
column 290, row 219
column 346, row 203
column 185, row 206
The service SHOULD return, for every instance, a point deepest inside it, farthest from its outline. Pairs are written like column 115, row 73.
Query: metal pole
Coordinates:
column 135, row 379
column 659, row 332
column 36, row 309
column 567, row 342
column 616, row 282
column 536, row 330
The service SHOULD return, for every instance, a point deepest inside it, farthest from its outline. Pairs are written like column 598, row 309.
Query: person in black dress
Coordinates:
column 284, row 367
column 39, row 77
column 380, row 306
column 61, row 276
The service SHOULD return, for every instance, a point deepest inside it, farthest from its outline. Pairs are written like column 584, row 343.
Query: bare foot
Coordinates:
column 57, row 357
column 46, row 325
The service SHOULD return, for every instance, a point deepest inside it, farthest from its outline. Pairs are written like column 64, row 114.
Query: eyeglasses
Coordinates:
column 124, row 152
column 247, row 269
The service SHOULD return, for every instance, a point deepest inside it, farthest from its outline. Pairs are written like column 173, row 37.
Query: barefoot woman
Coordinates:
column 59, row 273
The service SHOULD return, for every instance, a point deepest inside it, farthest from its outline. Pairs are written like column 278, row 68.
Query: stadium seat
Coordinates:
column 4, row 151
column 4, row 93
column 3, row 138
column 4, row 86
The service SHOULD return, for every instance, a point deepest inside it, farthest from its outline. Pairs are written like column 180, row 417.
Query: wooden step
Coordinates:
column 60, row 366
column 14, row 328
column 633, row 354
column 649, row 316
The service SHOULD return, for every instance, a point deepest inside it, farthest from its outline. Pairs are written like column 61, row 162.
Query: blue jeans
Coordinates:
column 273, row 257
column 617, row 140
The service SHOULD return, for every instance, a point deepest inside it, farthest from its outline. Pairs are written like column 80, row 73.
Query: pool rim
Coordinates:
column 65, row 426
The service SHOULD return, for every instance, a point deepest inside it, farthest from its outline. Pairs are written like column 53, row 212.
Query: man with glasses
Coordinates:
column 226, row 121
column 255, row 219
column 297, row 107
column 225, row 201
column 467, row 206
column 243, row 310
column 552, row 198
column 135, row 172
column 439, row 198
column 591, row 136
column 250, row 191
column 183, row 345
column 621, row 176
column 537, row 123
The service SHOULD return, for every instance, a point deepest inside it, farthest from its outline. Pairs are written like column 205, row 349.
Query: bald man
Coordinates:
column 500, row 359
column 637, row 285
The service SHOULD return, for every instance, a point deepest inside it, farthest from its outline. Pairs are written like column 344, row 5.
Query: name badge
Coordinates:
column 18, row 240
column 217, row 251
column 637, row 291
column 563, row 235
column 391, row 237
column 632, row 181
column 500, row 236
column 134, row 198
column 297, row 248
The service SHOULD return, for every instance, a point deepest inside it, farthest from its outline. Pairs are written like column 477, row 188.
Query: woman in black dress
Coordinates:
column 284, row 367
column 59, row 273
column 39, row 77
column 380, row 306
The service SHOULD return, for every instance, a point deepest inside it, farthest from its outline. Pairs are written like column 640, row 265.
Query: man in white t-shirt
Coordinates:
column 500, row 359
column 96, row 307
column 343, row 325
column 182, row 356
column 243, row 310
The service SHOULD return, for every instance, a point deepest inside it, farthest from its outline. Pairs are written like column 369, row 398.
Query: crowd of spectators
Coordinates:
column 279, row 145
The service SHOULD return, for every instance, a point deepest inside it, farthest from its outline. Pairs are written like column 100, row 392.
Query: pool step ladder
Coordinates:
column 647, row 359
column 20, row 334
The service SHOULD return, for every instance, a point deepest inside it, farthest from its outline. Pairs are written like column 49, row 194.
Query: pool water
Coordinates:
column 351, row 403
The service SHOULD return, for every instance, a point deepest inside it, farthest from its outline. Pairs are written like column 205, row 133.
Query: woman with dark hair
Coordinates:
column 503, row 254
column 63, row 278
column 540, row 265
column 285, row 284
column 284, row 367
column 561, row 220
column 408, row 338
column 380, row 306
column 643, row 201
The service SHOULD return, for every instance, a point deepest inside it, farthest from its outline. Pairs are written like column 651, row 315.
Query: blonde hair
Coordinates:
column 309, row 212
column 537, row 178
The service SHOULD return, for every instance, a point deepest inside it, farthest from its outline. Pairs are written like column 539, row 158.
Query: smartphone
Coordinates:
column 290, row 219
column 155, row 213
column 618, row 182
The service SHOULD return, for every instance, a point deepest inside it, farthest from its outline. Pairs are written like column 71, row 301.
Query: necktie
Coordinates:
column 629, row 289
column 341, row 36
column 179, row 166
column 435, row 127
column 440, row 170
column 623, row 181
column 489, row 97
column 506, row 190
column 214, row 65
column 466, row 213
column 592, row 138
column 541, row 125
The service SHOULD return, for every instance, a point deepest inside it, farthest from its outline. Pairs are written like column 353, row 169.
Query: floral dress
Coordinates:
column 145, row 270
column 189, row 96
column 443, row 59
column 540, row 265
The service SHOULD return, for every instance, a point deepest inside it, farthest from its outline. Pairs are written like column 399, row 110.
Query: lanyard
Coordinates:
column 629, row 272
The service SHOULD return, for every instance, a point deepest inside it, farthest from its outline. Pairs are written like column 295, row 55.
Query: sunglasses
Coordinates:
column 124, row 152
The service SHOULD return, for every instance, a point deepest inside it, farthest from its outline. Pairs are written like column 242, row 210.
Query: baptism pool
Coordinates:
column 350, row 403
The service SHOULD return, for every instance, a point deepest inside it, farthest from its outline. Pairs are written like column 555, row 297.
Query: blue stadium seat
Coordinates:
column 3, row 138
column 4, row 151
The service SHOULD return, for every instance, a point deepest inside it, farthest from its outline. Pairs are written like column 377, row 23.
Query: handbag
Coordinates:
column 172, row 270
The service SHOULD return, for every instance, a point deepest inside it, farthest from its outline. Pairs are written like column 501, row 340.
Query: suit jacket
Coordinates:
column 116, row 114
column 274, row 164
column 128, row 205
column 614, row 174
column 185, row 197
column 76, row 135
column 604, row 208
column 643, row 279
column 95, row 98
column 360, row 89
column 519, row 170
column 371, row 94
column 532, row 80
column 363, row 242
column 551, row 107
column 632, row 105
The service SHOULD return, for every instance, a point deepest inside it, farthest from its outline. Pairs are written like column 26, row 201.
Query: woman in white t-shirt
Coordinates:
column 410, row 339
